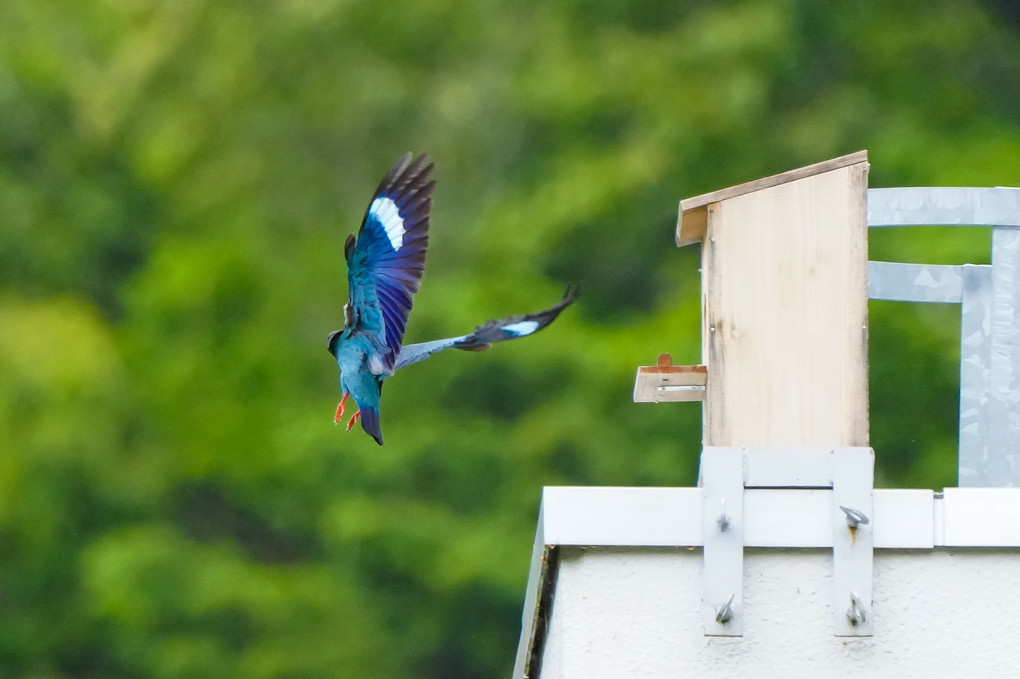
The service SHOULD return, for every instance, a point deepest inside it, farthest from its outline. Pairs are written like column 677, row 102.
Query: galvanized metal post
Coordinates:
column 989, row 315
column 975, row 359
column 1004, row 403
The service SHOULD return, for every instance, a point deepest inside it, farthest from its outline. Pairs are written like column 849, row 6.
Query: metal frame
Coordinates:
column 989, row 298
column 846, row 475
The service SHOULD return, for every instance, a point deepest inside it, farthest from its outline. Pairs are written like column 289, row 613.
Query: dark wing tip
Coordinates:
column 395, row 171
column 516, row 326
column 408, row 176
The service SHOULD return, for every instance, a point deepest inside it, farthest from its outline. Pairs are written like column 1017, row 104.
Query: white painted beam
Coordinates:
column 981, row 517
column 778, row 517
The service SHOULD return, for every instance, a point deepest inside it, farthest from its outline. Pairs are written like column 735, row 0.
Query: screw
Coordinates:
column 723, row 520
column 856, row 613
column 854, row 517
column 724, row 613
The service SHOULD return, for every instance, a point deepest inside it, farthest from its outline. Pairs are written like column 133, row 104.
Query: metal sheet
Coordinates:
column 777, row 517
column 645, row 517
column 787, row 517
column 975, row 359
column 537, row 584
column 948, row 206
column 990, row 315
column 788, row 467
column 898, row 282
column 773, row 517
column 904, row 518
column 980, row 517
column 1001, row 468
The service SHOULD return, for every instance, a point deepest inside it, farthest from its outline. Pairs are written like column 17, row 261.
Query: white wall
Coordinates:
column 630, row 612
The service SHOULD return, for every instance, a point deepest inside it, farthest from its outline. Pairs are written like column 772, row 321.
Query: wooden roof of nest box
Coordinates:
column 784, row 306
column 691, row 226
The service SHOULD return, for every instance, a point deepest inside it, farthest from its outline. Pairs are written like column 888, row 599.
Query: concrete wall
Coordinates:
column 627, row 612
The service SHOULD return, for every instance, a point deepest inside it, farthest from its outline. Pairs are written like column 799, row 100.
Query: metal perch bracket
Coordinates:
column 665, row 382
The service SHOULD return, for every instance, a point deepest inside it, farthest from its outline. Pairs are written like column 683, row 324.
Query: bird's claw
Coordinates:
column 340, row 409
column 340, row 412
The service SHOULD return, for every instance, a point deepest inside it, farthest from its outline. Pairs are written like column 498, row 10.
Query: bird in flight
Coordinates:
column 385, row 263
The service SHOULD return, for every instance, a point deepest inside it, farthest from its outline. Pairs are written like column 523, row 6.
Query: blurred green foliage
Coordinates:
column 176, row 180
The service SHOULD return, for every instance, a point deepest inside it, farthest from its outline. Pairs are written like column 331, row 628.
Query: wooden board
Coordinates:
column 691, row 225
column 784, row 300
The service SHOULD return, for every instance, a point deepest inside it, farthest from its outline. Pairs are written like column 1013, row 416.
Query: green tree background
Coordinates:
column 176, row 181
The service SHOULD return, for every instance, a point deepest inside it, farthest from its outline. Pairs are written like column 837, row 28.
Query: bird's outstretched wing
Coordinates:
column 386, row 261
column 488, row 333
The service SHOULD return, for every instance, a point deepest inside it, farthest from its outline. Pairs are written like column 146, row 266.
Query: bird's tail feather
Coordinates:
column 370, row 423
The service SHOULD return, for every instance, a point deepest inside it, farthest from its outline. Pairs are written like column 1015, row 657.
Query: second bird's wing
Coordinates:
column 487, row 334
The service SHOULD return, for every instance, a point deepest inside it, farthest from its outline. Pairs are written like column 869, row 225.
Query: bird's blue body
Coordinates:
column 385, row 264
column 358, row 379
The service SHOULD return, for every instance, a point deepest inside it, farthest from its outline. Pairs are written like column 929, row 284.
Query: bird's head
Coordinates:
column 331, row 338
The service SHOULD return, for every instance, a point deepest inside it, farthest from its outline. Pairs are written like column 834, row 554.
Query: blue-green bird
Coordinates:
column 385, row 264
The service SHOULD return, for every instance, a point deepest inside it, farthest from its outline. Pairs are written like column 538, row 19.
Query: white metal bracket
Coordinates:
column 722, row 471
column 852, row 540
column 846, row 473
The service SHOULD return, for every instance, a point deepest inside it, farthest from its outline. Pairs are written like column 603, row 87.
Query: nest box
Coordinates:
column 784, row 305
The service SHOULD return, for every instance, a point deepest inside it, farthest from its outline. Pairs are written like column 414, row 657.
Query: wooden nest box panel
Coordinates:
column 784, row 306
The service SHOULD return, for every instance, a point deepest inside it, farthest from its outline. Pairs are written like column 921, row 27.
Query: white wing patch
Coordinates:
column 521, row 328
column 375, row 365
column 388, row 214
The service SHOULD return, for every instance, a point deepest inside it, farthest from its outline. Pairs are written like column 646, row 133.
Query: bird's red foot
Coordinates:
column 340, row 408
column 353, row 420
